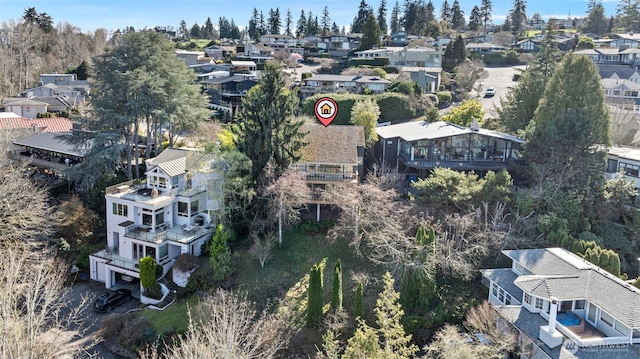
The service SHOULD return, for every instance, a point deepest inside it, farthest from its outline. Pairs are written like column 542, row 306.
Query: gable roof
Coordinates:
column 423, row 130
column 51, row 124
column 335, row 144
column 561, row 274
column 175, row 161
column 622, row 71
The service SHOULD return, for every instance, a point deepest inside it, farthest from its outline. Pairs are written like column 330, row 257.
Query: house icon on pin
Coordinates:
column 325, row 109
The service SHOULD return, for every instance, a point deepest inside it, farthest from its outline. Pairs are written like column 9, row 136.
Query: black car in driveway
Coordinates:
column 111, row 299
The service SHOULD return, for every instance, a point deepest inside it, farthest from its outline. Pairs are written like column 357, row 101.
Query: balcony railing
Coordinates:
column 331, row 177
column 175, row 233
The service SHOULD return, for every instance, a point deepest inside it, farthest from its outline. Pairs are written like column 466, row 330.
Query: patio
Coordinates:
column 586, row 331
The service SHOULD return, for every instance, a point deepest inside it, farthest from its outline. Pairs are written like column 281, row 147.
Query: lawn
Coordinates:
column 291, row 264
column 173, row 319
column 283, row 277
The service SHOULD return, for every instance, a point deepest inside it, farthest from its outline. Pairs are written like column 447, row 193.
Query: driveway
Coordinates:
column 85, row 334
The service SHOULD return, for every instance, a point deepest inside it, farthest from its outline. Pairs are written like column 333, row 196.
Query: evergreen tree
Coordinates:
column 457, row 16
column 325, row 21
column 314, row 295
column 288, row 23
column 363, row 344
column 596, row 21
column 358, row 307
column 394, row 23
column 335, row 29
column 154, row 88
column 275, row 23
column 518, row 106
column 628, row 15
column 253, row 31
column 445, row 12
column 419, row 284
column 358, row 22
column 569, row 126
column 396, row 343
column 485, row 13
column 518, row 16
column 183, row 31
column 207, row 29
column 382, row 17
column 195, row 31
column 262, row 25
column 336, row 290
column 220, row 256
column 268, row 132
column 370, row 33
column 301, row 26
column 475, row 19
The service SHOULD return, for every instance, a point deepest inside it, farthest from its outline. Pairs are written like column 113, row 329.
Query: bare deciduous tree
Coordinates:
column 287, row 195
column 225, row 325
column 36, row 318
column 483, row 320
column 378, row 223
column 262, row 248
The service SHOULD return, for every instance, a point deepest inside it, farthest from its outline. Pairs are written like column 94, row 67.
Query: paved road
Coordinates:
column 500, row 78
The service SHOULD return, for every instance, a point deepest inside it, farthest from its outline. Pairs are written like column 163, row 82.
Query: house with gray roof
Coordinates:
column 565, row 306
column 417, row 147
column 327, row 83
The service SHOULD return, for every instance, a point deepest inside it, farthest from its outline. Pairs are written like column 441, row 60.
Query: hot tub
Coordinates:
column 568, row 319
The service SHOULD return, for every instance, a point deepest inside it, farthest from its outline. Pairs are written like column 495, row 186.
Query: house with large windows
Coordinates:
column 565, row 307
column 417, row 147
column 171, row 213
column 625, row 159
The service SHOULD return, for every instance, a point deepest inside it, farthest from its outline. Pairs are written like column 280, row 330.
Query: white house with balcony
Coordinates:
column 168, row 214
column 625, row 159
column 564, row 306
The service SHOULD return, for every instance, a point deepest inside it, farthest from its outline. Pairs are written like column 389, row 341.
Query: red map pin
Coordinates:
column 326, row 110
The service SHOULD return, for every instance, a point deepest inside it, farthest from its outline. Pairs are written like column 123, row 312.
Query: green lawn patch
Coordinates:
column 285, row 274
column 173, row 319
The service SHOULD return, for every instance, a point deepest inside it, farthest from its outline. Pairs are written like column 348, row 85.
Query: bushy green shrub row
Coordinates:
column 394, row 107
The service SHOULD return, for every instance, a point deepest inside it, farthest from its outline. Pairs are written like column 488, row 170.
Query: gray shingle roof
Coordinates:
column 562, row 274
column 505, row 278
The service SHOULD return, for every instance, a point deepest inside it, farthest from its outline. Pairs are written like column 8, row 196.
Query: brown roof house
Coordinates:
column 334, row 155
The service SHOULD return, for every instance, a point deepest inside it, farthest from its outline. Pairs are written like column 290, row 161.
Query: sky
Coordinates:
column 89, row 15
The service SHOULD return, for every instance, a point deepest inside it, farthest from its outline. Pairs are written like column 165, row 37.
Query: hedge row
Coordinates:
column 394, row 107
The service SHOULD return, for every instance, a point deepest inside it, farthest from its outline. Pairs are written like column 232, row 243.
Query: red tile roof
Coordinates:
column 53, row 124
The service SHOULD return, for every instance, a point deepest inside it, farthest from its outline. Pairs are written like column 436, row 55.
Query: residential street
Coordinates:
column 500, row 78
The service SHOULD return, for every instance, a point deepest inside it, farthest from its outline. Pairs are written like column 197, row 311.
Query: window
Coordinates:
column 194, row 207
column 174, row 182
column 527, row 298
column 501, row 295
column 519, row 268
column 507, row 299
column 183, row 209
column 120, row 209
column 605, row 317
column 539, row 303
column 494, row 289
column 579, row 304
column 629, row 169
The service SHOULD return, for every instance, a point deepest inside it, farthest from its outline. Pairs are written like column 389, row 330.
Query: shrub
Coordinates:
column 125, row 329
column 444, row 96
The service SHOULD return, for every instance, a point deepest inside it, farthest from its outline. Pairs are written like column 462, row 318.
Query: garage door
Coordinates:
column 101, row 272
